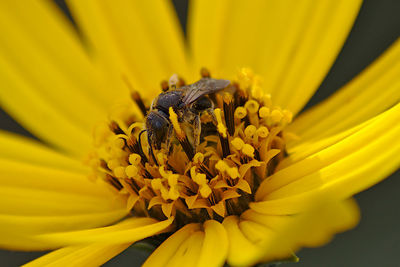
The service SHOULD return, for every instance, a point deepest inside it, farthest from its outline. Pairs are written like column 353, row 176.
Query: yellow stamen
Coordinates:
column 134, row 159
column 131, row 171
column 156, row 184
column 250, row 131
column 174, row 120
column 248, row 150
column 205, row 191
column 220, row 126
column 233, row 172
column 252, row 106
column 240, row 113
column 113, row 164
column 263, row 112
column 119, row 172
column 276, row 116
column 198, row 158
column 216, row 176
column 262, row 132
column 237, row 143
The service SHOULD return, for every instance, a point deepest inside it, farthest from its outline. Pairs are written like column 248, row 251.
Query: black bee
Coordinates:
column 188, row 102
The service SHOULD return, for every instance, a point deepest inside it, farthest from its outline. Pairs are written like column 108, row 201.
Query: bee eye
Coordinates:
column 202, row 104
column 157, row 125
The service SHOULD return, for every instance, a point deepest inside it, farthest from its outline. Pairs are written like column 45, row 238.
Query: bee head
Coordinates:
column 157, row 128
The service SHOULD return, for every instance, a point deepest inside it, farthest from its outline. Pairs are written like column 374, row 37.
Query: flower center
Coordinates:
column 199, row 167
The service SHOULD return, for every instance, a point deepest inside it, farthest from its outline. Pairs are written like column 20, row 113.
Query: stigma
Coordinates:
column 204, row 170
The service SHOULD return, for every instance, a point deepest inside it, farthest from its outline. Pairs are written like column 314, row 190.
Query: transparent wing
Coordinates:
column 204, row 86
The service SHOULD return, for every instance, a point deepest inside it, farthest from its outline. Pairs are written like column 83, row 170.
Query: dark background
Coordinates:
column 376, row 241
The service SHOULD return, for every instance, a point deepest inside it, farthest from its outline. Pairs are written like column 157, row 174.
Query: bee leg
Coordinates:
column 196, row 131
column 213, row 117
column 151, row 151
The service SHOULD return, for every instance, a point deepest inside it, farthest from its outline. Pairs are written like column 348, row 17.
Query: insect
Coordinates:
column 189, row 102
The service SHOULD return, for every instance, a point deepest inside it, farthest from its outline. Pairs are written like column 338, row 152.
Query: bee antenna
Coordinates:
column 151, row 153
column 140, row 135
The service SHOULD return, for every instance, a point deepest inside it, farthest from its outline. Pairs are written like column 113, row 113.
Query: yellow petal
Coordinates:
column 37, row 199
column 129, row 230
column 321, row 35
column 348, row 159
column 370, row 93
column 51, row 65
column 21, row 101
column 47, row 28
column 169, row 247
column 264, row 236
column 242, row 251
column 279, row 235
column 26, row 201
column 206, row 33
column 62, row 222
column 291, row 44
column 345, row 178
column 19, row 148
column 24, row 175
column 307, row 148
column 215, row 245
column 136, row 39
column 233, row 34
column 22, row 242
column 188, row 252
column 84, row 255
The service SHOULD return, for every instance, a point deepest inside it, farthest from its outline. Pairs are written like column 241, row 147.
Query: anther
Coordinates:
column 241, row 96
column 181, row 82
column 135, row 146
column 132, row 185
column 180, row 134
column 205, row 73
column 229, row 110
column 206, row 171
column 173, row 81
column 135, row 96
column 222, row 133
column 164, row 86
column 240, row 113
column 198, row 160
column 114, row 182
column 139, row 102
column 114, row 127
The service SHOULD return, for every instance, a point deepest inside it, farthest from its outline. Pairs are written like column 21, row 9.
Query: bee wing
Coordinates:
column 203, row 87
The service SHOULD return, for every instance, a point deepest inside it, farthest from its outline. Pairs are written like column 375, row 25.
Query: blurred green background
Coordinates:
column 376, row 241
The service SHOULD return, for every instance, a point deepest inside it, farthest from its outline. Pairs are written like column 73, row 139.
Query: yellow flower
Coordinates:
column 255, row 188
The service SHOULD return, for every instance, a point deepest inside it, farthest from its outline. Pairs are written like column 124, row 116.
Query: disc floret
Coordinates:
column 241, row 144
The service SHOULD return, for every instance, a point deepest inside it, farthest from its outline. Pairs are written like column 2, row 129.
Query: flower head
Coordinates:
column 208, row 169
